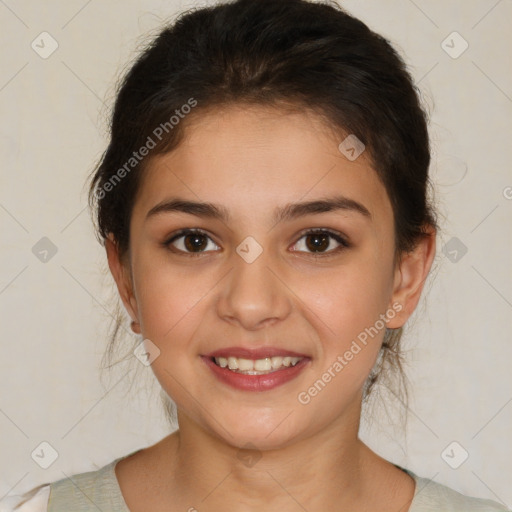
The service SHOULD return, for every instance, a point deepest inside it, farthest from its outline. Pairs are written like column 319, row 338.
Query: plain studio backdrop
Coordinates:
column 60, row 62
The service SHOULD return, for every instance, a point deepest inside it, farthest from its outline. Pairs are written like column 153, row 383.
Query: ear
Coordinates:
column 122, row 276
column 410, row 276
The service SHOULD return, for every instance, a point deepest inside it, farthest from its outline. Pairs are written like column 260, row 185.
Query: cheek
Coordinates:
column 347, row 306
column 171, row 304
column 170, row 300
column 345, row 311
column 348, row 299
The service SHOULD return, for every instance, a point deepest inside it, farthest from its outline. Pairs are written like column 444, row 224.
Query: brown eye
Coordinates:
column 321, row 241
column 318, row 242
column 190, row 241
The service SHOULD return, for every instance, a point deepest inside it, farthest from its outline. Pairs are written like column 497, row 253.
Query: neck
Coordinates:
column 333, row 461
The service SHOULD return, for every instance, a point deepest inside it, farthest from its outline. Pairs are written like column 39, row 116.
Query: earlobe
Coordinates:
column 410, row 276
column 123, row 281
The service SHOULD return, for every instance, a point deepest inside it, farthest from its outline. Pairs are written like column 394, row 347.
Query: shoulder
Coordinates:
column 431, row 496
column 34, row 500
column 92, row 490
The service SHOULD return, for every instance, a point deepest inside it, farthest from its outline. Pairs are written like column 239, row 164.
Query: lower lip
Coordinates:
column 256, row 382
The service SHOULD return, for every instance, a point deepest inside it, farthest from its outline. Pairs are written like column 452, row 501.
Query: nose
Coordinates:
column 254, row 294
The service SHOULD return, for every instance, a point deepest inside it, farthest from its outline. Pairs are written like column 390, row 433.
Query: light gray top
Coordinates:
column 99, row 490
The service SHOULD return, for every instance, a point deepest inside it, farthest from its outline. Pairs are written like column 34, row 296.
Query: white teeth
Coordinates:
column 245, row 364
column 262, row 365
column 258, row 366
column 277, row 361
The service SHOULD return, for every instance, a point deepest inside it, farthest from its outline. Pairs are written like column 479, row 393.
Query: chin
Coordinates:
column 258, row 430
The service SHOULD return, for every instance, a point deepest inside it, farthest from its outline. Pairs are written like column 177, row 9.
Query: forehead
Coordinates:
column 251, row 159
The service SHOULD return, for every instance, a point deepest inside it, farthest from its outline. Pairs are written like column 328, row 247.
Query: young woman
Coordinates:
column 264, row 208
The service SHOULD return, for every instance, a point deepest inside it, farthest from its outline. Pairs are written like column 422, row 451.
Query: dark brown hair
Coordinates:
column 286, row 53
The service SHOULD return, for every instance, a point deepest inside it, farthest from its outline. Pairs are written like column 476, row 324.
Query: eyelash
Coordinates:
column 338, row 237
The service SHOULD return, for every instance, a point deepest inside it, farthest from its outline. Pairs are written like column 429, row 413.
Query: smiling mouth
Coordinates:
column 256, row 366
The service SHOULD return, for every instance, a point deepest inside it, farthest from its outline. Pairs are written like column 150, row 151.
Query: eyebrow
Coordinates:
column 286, row 213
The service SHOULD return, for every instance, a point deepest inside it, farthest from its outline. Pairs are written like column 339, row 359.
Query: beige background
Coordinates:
column 55, row 314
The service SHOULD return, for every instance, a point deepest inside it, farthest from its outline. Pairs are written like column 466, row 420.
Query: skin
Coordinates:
column 250, row 161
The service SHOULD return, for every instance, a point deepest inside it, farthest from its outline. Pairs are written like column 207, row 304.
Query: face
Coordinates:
column 258, row 277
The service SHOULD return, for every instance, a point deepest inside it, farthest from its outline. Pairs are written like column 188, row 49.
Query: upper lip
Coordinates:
column 253, row 353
